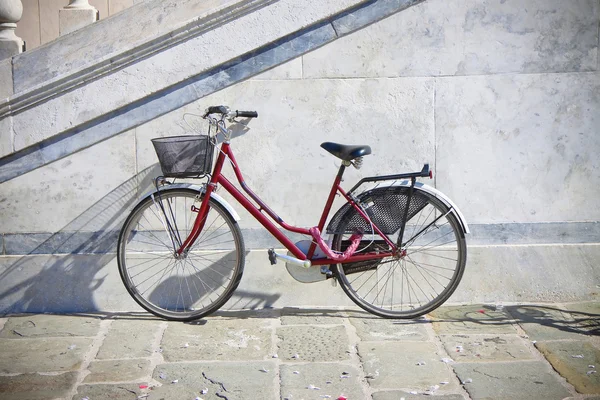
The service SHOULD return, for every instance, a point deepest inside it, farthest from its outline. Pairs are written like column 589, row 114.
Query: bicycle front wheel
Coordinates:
column 180, row 288
column 419, row 279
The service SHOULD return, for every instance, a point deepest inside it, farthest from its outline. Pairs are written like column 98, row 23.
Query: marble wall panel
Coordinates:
column 520, row 148
column 82, row 192
column 6, row 136
column 288, row 70
column 6, row 82
column 280, row 155
column 471, row 37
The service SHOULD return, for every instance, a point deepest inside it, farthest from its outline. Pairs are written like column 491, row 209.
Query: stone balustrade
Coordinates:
column 10, row 13
column 76, row 15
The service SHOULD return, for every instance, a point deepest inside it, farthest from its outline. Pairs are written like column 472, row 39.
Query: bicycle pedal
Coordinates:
column 272, row 257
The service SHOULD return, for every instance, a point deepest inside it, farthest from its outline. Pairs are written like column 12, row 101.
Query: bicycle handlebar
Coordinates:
column 246, row 114
column 224, row 110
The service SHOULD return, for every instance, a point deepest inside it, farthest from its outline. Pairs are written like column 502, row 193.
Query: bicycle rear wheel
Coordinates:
column 179, row 288
column 414, row 284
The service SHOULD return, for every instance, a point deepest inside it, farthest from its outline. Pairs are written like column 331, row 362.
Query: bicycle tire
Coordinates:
column 441, row 273
column 204, row 280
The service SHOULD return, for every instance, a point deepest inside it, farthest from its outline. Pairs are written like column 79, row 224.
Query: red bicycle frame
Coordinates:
column 257, row 212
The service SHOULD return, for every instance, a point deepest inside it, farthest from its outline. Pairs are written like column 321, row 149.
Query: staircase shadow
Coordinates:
column 62, row 273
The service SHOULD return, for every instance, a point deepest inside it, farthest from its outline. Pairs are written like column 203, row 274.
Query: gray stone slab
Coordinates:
column 129, row 339
column 62, row 284
column 42, row 355
column 534, row 233
column 521, row 274
column 313, row 343
column 6, row 137
column 491, row 123
column 574, row 361
column 472, row 318
column 546, row 322
column 473, row 348
column 39, row 325
column 410, row 366
column 288, row 70
column 36, row 386
column 63, row 242
column 587, row 317
column 516, row 380
column 232, row 380
column 316, row 380
column 375, row 329
column 364, row 15
column 399, row 394
column 438, row 37
column 74, row 242
column 6, row 81
column 123, row 391
column 407, row 108
column 303, row 316
column 73, row 194
column 118, row 371
column 216, row 339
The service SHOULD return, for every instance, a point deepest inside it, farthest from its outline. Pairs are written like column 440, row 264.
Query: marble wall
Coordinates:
column 501, row 97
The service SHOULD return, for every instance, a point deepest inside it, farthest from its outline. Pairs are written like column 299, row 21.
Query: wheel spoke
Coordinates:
column 189, row 286
column 412, row 283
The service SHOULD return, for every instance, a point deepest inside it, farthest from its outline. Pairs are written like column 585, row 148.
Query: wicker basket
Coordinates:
column 184, row 156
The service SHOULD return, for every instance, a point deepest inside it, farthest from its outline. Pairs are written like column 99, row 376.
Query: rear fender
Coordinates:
column 418, row 187
column 444, row 199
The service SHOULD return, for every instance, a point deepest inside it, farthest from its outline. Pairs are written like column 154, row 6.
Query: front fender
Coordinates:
column 200, row 189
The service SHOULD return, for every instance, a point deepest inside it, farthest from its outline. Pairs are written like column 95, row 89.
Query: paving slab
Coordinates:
column 117, row 371
column 515, row 380
column 36, row 386
column 546, row 322
column 42, row 355
column 230, row 380
column 297, row 316
column 40, row 325
column 375, row 329
column 577, row 362
column 400, row 394
column 316, row 380
column 586, row 316
column 471, row 319
column 313, row 343
column 129, row 339
column 124, row 391
column 473, row 348
column 218, row 339
column 411, row 366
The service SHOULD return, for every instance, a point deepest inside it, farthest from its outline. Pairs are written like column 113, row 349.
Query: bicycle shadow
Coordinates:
column 64, row 272
column 533, row 315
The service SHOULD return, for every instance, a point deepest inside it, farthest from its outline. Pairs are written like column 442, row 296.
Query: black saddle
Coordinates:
column 346, row 152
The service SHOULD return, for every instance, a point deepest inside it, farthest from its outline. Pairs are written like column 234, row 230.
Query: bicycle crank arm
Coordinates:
column 289, row 259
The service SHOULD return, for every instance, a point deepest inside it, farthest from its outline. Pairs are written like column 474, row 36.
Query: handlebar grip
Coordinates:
column 217, row 110
column 247, row 114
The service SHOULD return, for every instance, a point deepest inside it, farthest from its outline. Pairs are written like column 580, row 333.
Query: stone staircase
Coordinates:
column 151, row 59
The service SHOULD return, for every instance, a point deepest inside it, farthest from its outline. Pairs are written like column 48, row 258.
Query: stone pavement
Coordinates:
column 458, row 352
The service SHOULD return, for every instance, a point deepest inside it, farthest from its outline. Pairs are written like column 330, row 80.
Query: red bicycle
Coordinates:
column 397, row 247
